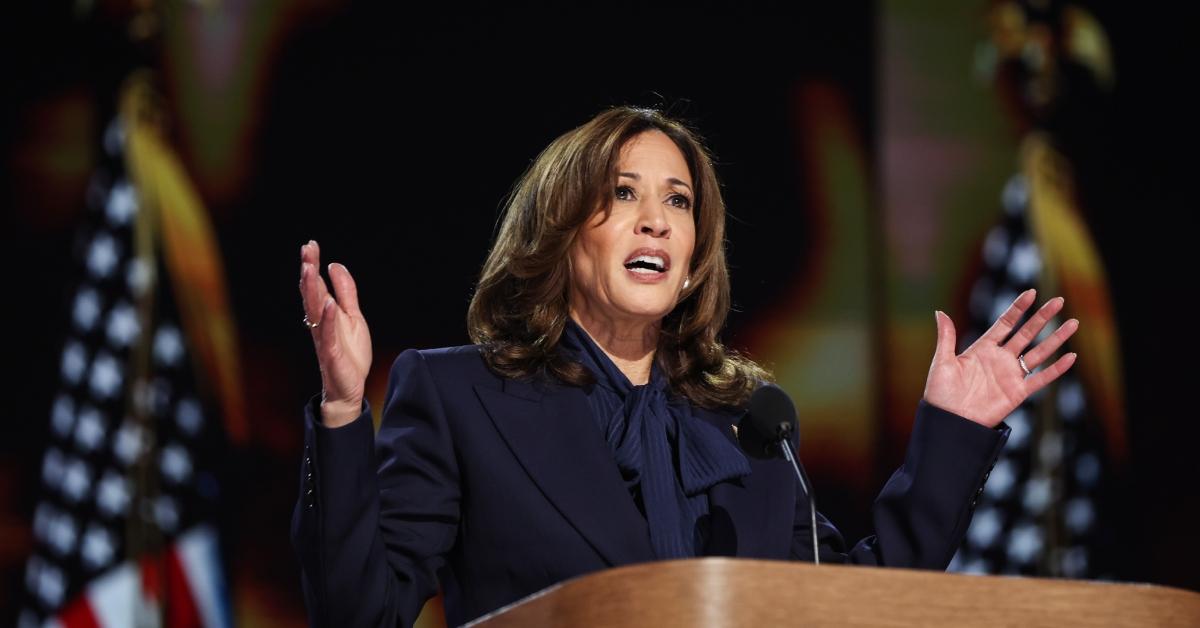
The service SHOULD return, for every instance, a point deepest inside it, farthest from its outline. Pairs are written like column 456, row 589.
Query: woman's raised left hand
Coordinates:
column 986, row 383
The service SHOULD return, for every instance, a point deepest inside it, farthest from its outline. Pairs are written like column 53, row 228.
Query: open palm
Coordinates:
column 986, row 383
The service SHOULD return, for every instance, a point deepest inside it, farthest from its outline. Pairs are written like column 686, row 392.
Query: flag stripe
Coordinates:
column 78, row 615
column 181, row 605
column 198, row 553
column 114, row 597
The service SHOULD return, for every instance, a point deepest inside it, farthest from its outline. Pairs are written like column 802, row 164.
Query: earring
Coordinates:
column 687, row 281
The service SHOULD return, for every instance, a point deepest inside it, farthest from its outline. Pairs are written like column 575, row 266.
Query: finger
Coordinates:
column 311, row 252
column 312, row 287
column 1032, row 327
column 347, row 290
column 999, row 330
column 946, row 336
column 1040, row 379
column 326, row 334
column 315, row 250
column 312, row 292
column 1046, row 348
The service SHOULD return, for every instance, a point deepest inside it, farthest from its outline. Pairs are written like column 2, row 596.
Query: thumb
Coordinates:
column 946, row 337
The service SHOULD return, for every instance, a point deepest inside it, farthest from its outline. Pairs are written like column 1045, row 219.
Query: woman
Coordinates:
column 589, row 425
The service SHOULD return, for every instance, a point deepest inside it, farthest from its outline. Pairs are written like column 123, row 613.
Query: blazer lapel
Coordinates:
column 752, row 516
column 550, row 430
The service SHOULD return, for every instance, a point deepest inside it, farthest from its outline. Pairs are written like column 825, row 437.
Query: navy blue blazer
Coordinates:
column 497, row 488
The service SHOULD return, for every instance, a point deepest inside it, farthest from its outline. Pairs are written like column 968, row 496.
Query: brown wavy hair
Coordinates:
column 520, row 305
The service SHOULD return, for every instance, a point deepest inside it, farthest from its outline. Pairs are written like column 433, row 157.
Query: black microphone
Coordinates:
column 766, row 431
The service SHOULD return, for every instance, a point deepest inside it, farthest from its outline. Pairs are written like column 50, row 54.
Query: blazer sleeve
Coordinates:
column 374, row 522
column 922, row 513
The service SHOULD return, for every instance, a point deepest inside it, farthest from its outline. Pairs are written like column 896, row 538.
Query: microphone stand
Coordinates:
column 785, row 444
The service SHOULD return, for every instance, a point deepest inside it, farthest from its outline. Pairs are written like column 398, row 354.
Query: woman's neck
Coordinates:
column 629, row 344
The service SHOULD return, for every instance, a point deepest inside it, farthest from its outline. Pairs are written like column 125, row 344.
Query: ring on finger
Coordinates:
column 1020, row 360
column 311, row 325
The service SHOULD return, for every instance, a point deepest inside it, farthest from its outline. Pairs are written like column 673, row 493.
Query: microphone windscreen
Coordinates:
column 770, row 415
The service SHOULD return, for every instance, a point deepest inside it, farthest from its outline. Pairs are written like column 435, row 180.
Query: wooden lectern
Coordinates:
column 723, row 592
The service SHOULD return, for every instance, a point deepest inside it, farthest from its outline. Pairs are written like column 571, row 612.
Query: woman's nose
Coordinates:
column 653, row 220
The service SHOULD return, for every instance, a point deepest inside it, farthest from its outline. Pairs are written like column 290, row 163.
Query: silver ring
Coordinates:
column 1021, row 361
column 309, row 324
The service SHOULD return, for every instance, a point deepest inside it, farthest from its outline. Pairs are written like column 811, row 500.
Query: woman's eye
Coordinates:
column 680, row 201
column 624, row 192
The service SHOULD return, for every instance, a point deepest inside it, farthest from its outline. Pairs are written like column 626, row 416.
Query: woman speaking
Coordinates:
column 589, row 426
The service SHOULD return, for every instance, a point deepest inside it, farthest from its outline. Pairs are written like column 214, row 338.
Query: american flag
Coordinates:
column 1041, row 510
column 122, row 531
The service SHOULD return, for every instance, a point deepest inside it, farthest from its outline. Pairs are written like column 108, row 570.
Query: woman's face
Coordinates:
column 631, row 267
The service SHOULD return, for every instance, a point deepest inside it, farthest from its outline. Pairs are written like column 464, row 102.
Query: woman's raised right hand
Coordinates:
column 339, row 334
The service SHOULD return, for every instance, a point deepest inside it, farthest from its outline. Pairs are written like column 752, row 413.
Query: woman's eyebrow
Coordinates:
column 672, row 180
